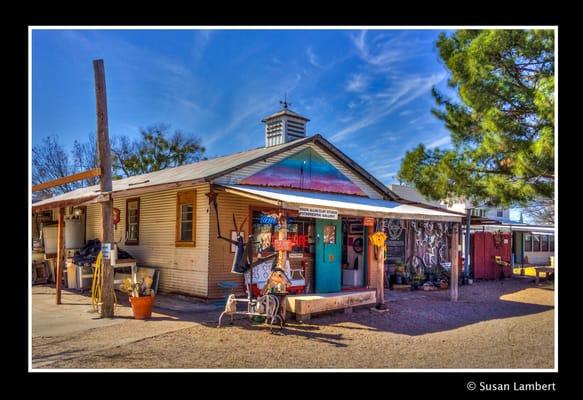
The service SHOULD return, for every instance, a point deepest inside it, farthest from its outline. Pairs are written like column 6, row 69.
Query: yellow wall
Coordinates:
column 182, row 269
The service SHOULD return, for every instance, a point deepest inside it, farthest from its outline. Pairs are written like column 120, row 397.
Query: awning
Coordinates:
column 535, row 229
column 344, row 204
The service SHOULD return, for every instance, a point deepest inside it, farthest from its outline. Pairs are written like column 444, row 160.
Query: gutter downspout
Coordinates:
column 467, row 247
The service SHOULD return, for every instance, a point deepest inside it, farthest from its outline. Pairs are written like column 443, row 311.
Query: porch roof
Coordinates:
column 345, row 204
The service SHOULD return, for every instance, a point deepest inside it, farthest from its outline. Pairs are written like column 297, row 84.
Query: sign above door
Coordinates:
column 324, row 213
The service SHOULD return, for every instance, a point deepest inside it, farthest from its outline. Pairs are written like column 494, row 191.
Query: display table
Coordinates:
column 126, row 263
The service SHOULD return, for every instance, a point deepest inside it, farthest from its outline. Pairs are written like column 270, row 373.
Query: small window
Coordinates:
column 551, row 243
column 535, row 243
column 132, row 221
column 544, row 244
column 527, row 242
column 185, row 218
column 500, row 213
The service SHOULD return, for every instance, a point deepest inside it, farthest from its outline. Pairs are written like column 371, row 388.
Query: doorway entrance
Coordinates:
column 353, row 253
column 328, row 255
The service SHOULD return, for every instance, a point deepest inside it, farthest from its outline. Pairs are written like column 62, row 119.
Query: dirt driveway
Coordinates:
column 506, row 324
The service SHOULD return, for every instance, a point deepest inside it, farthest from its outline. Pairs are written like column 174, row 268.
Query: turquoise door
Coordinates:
column 328, row 273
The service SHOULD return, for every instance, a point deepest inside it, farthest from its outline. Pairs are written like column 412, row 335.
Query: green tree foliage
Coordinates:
column 154, row 151
column 502, row 127
column 157, row 149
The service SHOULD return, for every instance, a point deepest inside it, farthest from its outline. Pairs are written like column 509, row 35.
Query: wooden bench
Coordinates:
column 303, row 306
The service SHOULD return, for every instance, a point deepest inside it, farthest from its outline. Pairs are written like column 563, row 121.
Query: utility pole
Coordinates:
column 103, row 148
column 60, row 252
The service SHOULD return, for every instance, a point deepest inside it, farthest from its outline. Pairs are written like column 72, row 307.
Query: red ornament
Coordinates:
column 116, row 216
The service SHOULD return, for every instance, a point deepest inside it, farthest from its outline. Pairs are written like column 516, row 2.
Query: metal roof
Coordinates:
column 344, row 203
column 285, row 112
column 206, row 171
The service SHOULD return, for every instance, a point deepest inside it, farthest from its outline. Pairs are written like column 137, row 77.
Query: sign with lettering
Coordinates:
column 368, row 221
column 106, row 249
column 283, row 245
column 324, row 213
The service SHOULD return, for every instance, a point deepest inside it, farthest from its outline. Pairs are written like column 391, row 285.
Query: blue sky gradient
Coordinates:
column 366, row 91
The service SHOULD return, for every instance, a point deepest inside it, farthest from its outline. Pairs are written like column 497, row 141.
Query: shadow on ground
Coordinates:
column 418, row 313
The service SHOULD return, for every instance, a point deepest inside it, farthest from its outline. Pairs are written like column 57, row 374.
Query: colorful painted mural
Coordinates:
column 305, row 170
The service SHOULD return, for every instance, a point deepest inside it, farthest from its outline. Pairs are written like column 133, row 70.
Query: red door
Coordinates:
column 486, row 247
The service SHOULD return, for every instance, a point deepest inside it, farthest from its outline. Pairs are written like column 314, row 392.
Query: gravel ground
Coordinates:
column 494, row 325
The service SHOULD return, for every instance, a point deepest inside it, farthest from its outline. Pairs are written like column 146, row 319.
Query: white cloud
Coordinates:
column 312, row 58
column 405, row 92
column 442, row 141
column 357, row 83
column 382, row 52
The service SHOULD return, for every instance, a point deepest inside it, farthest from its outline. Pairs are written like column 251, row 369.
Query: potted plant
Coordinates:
column 399, row 274
column 141, row 296
column 417, row 280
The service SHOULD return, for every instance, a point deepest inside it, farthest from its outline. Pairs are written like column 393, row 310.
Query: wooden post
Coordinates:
column 454, row 263
column 60, row 252
column 381, row 278
column 107, row 308
column 282, row 235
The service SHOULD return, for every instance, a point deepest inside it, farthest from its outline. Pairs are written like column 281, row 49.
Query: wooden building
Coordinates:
column 331, row 203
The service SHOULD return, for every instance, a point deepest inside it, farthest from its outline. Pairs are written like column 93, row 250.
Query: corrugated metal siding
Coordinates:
column 235, row 177
column 182, row 269
column 220, row 256
column 93, row 222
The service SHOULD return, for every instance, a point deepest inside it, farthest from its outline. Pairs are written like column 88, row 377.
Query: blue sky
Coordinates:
column 366, row 91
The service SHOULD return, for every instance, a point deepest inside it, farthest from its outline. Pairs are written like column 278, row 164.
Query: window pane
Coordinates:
column 186, row 212
column 133, row 205
column 186, row 222
column 551, row 243
column 535, row 243
column 133, row 232
column 527, row 242
column 544, row 243
column 133, row 216
column 186, row 230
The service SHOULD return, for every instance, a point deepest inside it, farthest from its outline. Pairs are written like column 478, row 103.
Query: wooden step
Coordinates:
column 402, row 288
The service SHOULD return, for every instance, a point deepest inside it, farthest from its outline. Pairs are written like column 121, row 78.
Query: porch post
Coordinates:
column 454, row 263
column 282, row 235
column 467, row 247
column 60, row 251
column 381, row 278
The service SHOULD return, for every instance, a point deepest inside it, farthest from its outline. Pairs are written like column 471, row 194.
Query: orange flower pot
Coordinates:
column 142, row 306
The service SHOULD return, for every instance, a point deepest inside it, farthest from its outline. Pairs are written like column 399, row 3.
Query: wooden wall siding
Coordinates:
column 235, row 177
column 182, row 269
column 93, row 223
column 220, row 256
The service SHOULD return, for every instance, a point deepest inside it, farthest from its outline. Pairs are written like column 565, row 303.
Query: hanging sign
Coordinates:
column 283, row 245
column 324, row 213
column 368, row 221
column 106, row 249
